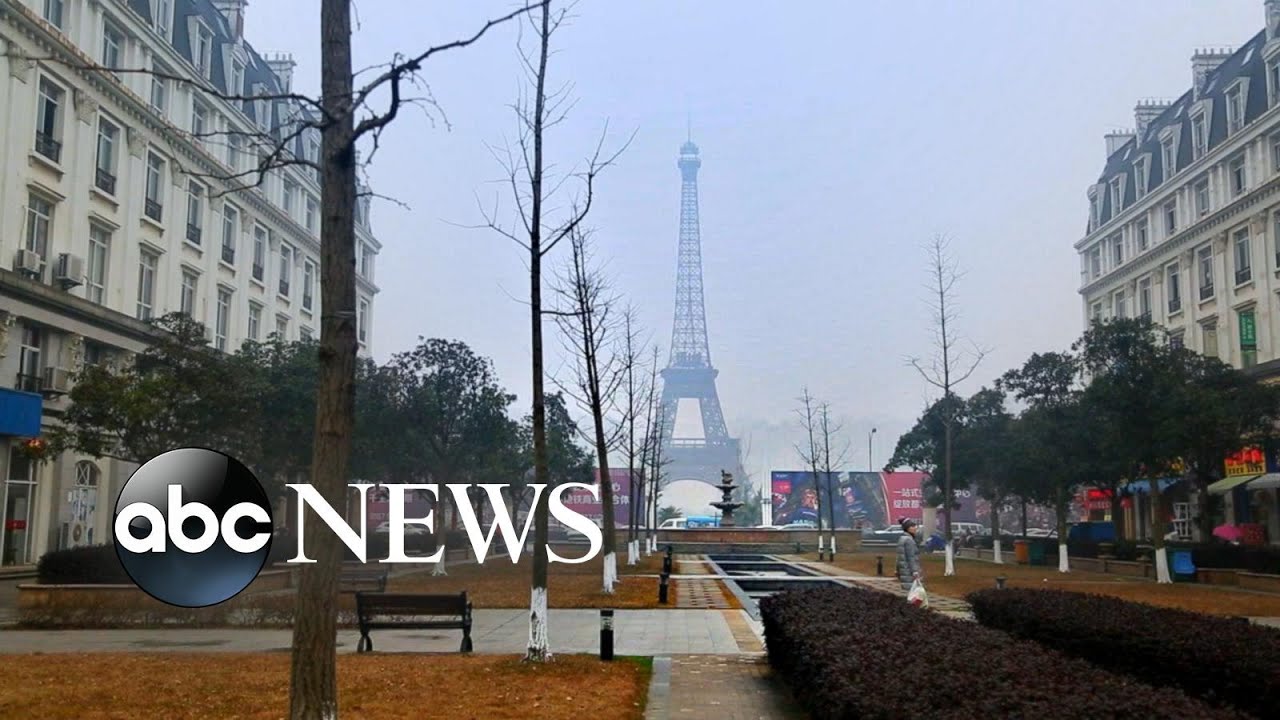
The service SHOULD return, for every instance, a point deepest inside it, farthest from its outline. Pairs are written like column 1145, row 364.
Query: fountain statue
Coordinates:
column 726, row 506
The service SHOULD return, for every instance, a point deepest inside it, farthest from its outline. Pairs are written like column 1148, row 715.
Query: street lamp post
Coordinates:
column 871, row 466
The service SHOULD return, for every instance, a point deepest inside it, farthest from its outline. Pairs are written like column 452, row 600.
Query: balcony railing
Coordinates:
column 1175, row 305
column 1206, row 292
column 258, row 272
column 1244, row 275
column 194, row 233
column 29, row 383
column 228, row 255
column 105, row 181
column 154, row 210
column 306, row 301
column 47, row 146
column 284, row 288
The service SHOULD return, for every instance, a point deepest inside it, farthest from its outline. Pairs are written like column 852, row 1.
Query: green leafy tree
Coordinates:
column 668, row 512
column 280, row 381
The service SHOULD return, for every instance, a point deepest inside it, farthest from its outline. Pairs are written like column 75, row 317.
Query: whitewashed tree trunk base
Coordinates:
column 833, row 546
column 539, row 644
column 996, row 551
column 610, row 572
column 1064, row 562
column 1162, row 566
column 951, row 561
column 439, row 568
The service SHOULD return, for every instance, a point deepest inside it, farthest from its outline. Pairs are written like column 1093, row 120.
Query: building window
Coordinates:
column 304, row 334
column 1117, row 251
column 1144, row 237
column 1095, row 214
column 290, row 190
column 230, row 219
column 160, row 89
column 282, row 328
column 1235, row 109
column 308, row 281
column 39, row 225
column 286, row 268
column 104, row 177
column 1239, row 181
column 1144, row 298
column 199, row 122
column 1273, row 81
column 1095, row 312
column 259, row 252
column 1119, row 305
column 29, row 367
column 235, row 149
column 237, row 79
column 255, row 321
column 1202, row 197
column 195, row 212
column 1173, row 288
column 1140, row 176
column 1170, row 218
column 1199, row 139
column 154, row 205
column 1248, row 339
column 311, row 216
column 147, row 284
column 222, row 320
column 366, row 262
column 96, row 276
column 94, row 355
column 362, row 321
column 1117, row 200
column 187, row 298
column 203, row 54
column 1095, row 263
column 164, row 13
column 1243, row 259
column 1209, row 336
column 112, row 47
column 1168, row 159
column 1205, row 263
column 49, row 120
column 53, row 12
column 1275, row 234
column 1177, row 341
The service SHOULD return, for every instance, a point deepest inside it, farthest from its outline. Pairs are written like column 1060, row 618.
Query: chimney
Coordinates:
column 233, row 11
column 1273, row 18
column 1146, row 111
column 1203, row 62
column 282, row 65
column 1116, row 140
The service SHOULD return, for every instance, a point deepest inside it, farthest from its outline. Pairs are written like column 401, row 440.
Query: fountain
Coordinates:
column 726, row 506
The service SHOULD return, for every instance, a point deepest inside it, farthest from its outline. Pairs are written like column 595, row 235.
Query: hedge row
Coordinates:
column 857, row 653
column 1224, row 661
column 88, row 565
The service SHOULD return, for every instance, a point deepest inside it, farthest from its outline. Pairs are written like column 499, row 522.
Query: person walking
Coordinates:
column 908, row 554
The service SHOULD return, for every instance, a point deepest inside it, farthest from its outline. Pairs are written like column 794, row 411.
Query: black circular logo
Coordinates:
column 193, row 527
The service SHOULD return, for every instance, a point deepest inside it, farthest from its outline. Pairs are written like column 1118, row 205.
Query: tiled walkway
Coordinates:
column 945, row 605
column 693, row 592
column 718, row 687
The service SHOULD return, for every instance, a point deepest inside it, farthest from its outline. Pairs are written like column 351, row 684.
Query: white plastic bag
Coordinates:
column 917, row 595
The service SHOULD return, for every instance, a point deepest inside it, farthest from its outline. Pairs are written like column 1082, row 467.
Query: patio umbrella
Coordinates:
column 1230, row 533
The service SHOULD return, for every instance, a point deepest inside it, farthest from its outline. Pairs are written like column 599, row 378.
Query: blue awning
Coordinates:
column 20, row 413
column 1144, row 486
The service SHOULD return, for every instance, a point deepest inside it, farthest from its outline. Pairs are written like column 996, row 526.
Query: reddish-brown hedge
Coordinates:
column 1224, row 661
column 855, row 653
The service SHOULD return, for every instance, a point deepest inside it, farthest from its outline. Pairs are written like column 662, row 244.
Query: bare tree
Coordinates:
column 810, row 453
column 588, row 320
column 658, row 459
column 634, row 392
column 538, row 234
column 949, row 366
column 648, row 469
column 827, row 429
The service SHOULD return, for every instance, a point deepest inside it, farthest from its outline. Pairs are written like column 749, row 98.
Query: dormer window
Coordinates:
column 202, row 54
column 1095, row 213
column 1168, row 157
column 55, row 13
column 237, row 79
column 1140, row 175
column 163, row 18
column 1235, row 108
column 1199, row 136
column 1273, row 83
column 1117, row 199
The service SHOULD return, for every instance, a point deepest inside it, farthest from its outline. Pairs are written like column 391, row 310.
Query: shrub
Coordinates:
column 1224, row 661
column 89, row 565
column 856, row 653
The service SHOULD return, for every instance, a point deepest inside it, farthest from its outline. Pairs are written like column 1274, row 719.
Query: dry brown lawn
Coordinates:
column 979, row 575
column 97, row 686
column 500, row 584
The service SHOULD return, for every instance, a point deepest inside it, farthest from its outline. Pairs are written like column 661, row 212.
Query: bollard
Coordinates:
column 1000, row 582
column 662, row 588
column 879, row 565
column 606, row 634
column 666, row 565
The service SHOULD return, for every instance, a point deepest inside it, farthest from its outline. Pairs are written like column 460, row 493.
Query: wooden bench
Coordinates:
column 410, row 611
column 358, row 577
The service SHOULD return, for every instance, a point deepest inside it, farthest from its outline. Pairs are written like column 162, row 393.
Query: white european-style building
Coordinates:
column 119, row 203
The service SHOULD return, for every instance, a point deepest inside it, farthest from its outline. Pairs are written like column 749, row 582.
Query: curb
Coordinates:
column 658, row 706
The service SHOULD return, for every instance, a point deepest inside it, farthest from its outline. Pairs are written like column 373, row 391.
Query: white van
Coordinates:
column 962, row 529
column 674, row 524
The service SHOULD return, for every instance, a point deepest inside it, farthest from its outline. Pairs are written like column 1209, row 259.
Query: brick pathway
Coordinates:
column 692, row 592
column 718, row 687
column 945, row 605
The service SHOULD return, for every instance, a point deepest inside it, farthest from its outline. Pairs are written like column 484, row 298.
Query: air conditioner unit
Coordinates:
column 208, row 333
column 57, row 380
column 69, row 270
column 28, row 262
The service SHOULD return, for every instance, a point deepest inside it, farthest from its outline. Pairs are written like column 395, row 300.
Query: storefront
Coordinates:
column 1249, row 511
column 19, row 419
column 1174, row 506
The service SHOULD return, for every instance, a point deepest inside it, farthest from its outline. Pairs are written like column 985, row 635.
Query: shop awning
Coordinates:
column 1270, row 481
column 1228, row 484
column 1144, row 486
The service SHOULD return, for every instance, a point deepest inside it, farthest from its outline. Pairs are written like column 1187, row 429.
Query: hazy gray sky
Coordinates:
column 836, row 138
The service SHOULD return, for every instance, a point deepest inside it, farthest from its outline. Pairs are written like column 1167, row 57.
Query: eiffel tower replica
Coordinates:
column 689, row 374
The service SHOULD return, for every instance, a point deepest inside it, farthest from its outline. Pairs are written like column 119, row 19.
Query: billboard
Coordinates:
column 581, row 501
column 859, row 499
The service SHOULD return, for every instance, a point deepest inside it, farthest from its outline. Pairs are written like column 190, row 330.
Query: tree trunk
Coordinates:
column 1117, row 513
column 995, row 531
column 1157, row 534
column 313, row 685
column 948, row 500
column 1061, row 508
column 1024, row 518
column 606, row 490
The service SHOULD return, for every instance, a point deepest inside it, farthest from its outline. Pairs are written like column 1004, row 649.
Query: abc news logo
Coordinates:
column 214, row 513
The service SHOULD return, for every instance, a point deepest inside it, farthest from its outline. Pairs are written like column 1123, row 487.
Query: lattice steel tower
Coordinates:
column 689, row 374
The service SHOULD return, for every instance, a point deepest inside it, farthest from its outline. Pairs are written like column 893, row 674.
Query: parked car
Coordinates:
column 385, row 528
column 891, row 533
column 800, row 525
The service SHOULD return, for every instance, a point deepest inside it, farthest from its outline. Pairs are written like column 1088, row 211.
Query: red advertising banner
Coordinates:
column 903, row 494
column 582, row 503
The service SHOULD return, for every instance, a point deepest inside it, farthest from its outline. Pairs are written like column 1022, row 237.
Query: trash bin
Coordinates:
column 1020, row 552
column 1036, row 553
